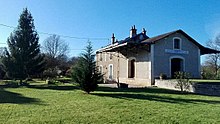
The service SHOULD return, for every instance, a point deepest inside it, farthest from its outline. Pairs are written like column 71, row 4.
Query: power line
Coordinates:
column 75, row 49
column 65, row 36
column 7, row 26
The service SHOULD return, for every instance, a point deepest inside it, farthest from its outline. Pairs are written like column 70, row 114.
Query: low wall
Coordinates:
column 136, row 81
column 207, row 88
column 199, row 88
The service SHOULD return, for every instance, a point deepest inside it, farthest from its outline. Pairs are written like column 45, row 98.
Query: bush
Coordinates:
column 28, row 79
column 64, row 80
column 182, row 81
column 51, row 73
column 68, row 73
column 163, row 76
column 24, row 84
column 123, row 85
column 52, row 82
column 12, row 84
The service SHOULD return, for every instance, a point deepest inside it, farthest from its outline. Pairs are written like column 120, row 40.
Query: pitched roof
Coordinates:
column 143, row 39
column 156, row 38
column 203, row 50
column 137, row 38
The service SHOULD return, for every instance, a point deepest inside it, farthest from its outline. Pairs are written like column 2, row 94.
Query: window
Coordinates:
column 110, row 56
column 131, row 68
column 100, row 57
column 101, row 69
column 176, row 43
column 105, row 56
column 110, row 73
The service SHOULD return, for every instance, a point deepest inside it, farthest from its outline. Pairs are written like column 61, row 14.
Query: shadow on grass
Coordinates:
column 54, row 87
column 140, row 90
column 15, row 98
column 151, row 94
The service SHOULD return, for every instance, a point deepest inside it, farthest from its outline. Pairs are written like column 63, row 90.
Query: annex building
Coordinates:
column 139, row 59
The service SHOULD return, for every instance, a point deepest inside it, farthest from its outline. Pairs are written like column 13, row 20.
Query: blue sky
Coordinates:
column 100, row 18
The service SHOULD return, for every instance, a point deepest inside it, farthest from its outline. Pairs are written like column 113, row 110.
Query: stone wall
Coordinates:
column 198, row 88
column 207, row 88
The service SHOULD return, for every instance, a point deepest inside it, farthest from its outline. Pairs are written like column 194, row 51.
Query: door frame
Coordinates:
column 176, row 57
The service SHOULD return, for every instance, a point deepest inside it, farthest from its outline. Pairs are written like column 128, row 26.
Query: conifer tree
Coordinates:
column 85, row 71
column 23, row 58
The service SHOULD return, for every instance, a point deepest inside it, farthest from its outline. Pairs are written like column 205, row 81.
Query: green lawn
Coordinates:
column 204, row 81
column 67, row 104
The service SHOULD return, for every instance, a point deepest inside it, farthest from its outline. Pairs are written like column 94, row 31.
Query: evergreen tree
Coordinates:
column 85, row 71
column 23, row 59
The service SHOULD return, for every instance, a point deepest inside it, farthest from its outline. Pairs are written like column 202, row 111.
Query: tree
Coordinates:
column 55, row 47
column 212, row 60
column 23, row 59
column 56, row 66
column 207, row 71
column 56, row 51
column 85, row 71
column 2, row 70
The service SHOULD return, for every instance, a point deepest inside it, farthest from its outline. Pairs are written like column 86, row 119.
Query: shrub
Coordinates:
column 11, row 83
column 52, row 82
column 51, row 73
column 182, row 79
column 163, row 76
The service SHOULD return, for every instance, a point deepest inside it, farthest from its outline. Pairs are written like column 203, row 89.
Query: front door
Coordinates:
column 176, row 65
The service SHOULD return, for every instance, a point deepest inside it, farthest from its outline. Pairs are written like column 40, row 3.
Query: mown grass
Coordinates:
column 204, row 81
column 41, row 103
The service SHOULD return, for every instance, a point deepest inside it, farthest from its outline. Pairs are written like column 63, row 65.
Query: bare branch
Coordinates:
column 54, row 46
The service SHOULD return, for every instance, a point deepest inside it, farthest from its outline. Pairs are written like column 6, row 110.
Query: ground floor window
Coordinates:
column 101, row 69
column 110, row 74
column 131, row 68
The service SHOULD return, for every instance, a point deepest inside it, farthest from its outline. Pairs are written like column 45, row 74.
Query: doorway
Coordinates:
column 176, row 65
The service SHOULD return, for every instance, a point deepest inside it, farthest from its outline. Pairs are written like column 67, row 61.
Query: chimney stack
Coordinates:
column 113, row 38
column 144, row 31
column 133, row 31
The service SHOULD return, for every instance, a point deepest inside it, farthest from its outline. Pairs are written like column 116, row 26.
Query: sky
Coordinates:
column 96, row 20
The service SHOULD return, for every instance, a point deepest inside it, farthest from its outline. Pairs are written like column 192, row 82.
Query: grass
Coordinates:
column 204, row 81
column 40, row 103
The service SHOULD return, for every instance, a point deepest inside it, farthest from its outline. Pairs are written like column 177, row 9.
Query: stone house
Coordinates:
column 139, row 59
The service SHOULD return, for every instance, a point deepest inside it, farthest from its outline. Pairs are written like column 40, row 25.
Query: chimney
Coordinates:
column 144, row 31
column 133, row 31
column 113, row 38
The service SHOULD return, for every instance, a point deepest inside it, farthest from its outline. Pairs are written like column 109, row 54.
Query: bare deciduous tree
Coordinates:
column 56, row 51
column 54, row 46
column 213, row 60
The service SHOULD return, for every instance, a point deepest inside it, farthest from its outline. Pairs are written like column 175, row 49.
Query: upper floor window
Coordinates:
column 100, row 56
column 110, row 56
column 105, row 56
column 176, row 43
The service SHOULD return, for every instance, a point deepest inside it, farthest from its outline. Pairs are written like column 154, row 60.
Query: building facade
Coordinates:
column 139, row 59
